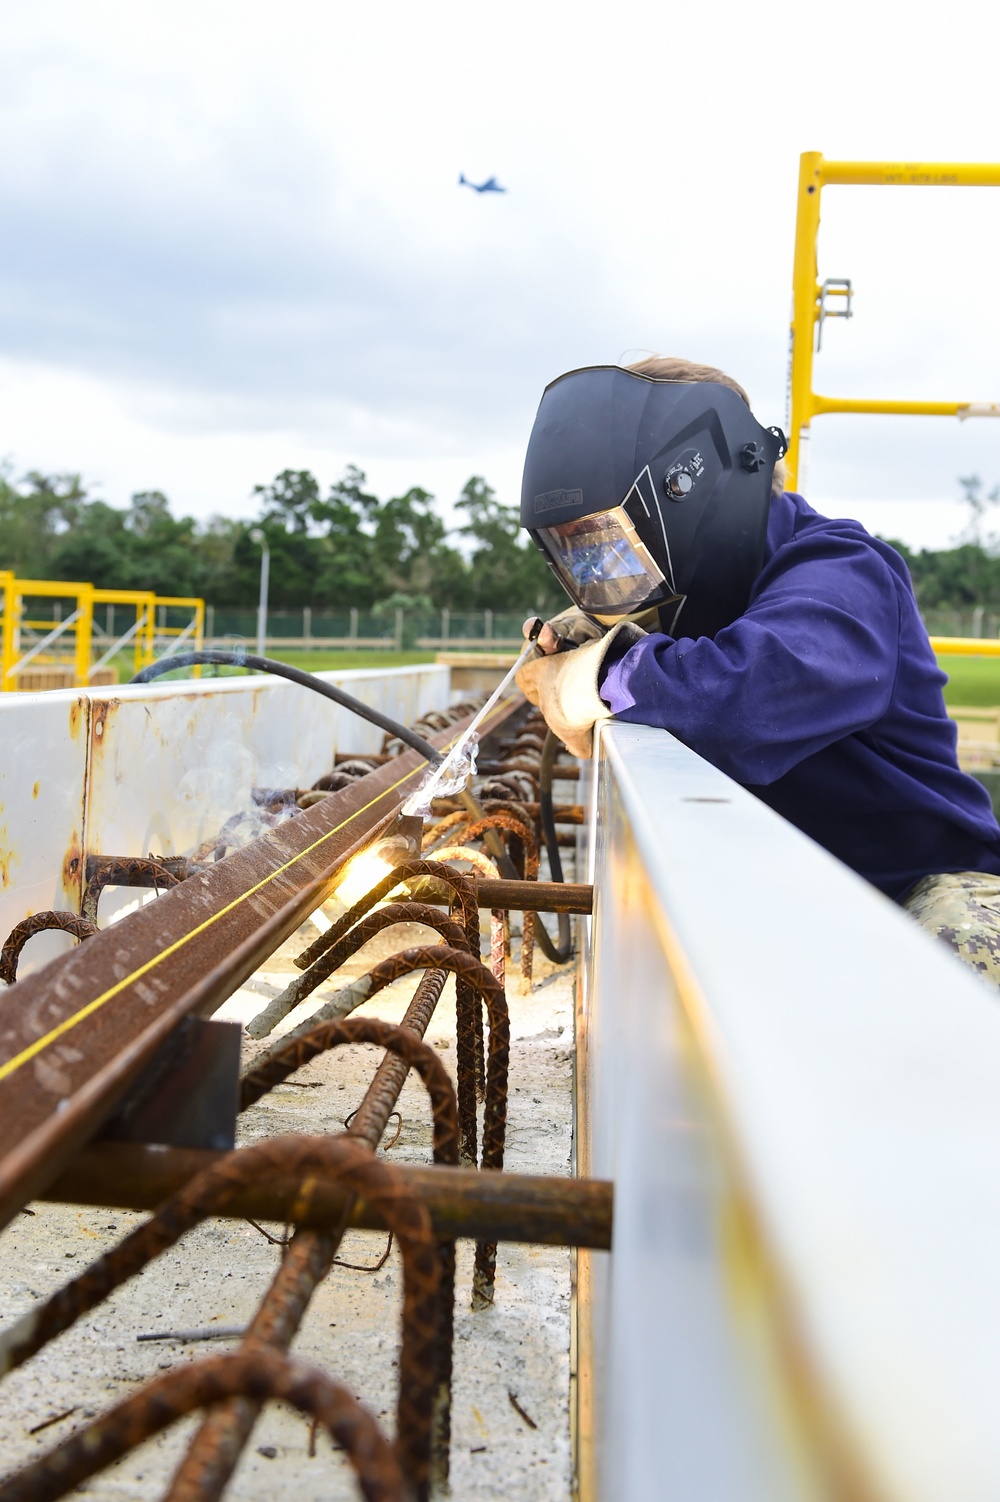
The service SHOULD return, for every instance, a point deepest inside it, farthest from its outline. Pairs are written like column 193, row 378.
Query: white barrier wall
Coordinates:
column 797, row 1094
column 160, row 767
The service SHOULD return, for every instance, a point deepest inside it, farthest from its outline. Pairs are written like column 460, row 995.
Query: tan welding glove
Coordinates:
column 575, row 626
column 564, row 687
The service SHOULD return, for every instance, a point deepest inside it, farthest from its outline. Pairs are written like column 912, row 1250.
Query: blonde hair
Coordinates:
column 671, row 368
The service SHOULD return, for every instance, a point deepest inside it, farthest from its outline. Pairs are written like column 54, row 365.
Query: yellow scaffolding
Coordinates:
column 810, row 297
column 193, row 634
column 48, row 637
column 142, row 630
column 7, row 624
column 966, row 646
column 79, row 622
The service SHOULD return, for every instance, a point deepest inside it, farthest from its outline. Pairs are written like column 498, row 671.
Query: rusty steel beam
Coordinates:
column 534, row 896
column 74, row 1035
column 462, row 1202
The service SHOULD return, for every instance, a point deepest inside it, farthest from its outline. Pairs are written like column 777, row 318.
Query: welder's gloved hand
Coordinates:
column 564, row 686
column 572, row 625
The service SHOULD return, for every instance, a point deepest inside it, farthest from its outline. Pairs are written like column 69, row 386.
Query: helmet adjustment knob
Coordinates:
column 679, row 483
column 752, row 456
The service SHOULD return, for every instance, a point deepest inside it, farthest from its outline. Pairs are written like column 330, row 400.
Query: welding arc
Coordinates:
column 294, row 675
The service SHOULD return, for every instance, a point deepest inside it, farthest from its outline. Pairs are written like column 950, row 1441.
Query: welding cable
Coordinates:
column 339, row 696
column 294, row 675
column 558, row 953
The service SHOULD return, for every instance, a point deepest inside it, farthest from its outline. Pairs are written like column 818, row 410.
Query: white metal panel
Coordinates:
column 43, row 767
column 160, row 767
column 797, row 1093
column 170, row 764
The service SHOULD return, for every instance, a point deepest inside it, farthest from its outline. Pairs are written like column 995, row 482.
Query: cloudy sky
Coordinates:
column 234, row 241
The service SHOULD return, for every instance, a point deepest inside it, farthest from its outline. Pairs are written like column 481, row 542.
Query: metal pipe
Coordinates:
column 535, row 896
column 462, row 1202
column 257, row 536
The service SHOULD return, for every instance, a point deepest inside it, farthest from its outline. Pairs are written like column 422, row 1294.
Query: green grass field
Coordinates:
column 314, row 662
column 971, row 680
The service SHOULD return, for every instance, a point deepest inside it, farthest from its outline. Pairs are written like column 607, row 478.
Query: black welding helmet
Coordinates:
column 645, row 493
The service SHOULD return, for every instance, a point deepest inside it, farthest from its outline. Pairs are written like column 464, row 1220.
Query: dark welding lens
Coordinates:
column 602, row 562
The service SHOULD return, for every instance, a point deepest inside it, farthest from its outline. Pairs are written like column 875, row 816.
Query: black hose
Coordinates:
column 558, row 953
column 295, row 675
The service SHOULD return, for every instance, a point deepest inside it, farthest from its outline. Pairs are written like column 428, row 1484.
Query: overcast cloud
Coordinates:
column 234, row 240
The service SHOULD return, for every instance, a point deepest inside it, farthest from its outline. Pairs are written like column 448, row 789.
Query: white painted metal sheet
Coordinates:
column 160, row 767
column 797, row 1093
column 43, row 769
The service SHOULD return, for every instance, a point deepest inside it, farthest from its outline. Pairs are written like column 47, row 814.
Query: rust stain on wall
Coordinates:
column 72, row 870
column 35, row 789
column 104, row 713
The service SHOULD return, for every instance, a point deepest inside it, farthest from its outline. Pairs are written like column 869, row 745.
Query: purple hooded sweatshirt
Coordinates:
column 824, row 699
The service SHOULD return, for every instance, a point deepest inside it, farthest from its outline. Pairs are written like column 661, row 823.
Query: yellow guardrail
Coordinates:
column 141, row 632
column 810, row 296
column 27, row 639
column 18, row 620
column 966, row 646
column 192, row 635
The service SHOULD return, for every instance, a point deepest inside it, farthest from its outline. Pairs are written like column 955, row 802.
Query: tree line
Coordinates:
column 346, row 548
column 349, row 548
column 967, row 574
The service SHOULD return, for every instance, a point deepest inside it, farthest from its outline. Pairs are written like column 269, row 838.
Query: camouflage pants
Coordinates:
column 962, row 909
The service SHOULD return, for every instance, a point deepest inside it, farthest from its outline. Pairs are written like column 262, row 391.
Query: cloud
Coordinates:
column 227, row 225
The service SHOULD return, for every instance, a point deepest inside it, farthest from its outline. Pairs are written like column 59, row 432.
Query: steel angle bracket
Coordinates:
column 75, row 1035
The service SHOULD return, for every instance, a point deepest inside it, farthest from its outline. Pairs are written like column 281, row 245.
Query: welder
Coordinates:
column 783, row 646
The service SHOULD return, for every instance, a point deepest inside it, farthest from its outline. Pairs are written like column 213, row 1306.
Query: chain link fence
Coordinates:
column 407, row 630
column 394, row 630
column 971, row 620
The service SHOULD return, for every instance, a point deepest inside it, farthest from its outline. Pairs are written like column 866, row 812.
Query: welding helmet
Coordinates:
column 650, row 494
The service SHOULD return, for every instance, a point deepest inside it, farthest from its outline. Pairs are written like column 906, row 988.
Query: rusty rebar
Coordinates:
column 462, row 1202
column 321, row 969
column 200, row 1198
column 341, row 1158
column 259, row 1374
column 399, row 874
column 564, row 813
column 215, row 1449
column 566, row 771
column 515, row 828
column 541, row 896
column 380, row 1098
column 69, row 923
column 484, row 865
column 383, row 974
column 435, row 832
column 480, row 980
column 122, row 871
column 477, row 978
column 369, row 1123
column 465, row 1003
column 398, row 1040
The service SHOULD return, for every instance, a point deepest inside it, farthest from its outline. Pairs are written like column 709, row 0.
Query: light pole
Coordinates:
column 258, row 537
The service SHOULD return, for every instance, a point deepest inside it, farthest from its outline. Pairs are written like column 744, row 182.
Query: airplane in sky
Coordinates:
column 489, row 186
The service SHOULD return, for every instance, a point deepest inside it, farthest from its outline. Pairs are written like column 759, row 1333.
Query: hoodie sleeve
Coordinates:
column 812, row 660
